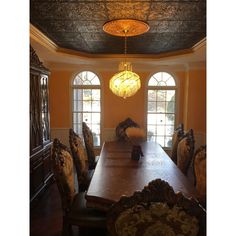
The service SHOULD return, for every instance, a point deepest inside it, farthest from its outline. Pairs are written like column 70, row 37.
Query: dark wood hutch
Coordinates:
column 40, row 143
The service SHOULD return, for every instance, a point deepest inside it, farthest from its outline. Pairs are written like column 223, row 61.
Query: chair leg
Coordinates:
column 67, row 228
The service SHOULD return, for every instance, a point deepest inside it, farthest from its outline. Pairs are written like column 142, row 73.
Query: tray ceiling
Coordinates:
column 77, row 25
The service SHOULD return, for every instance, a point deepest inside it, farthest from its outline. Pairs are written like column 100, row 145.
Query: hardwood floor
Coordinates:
column 46, row 216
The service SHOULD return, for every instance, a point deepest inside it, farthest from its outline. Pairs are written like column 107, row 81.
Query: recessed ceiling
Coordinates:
column 77, row 25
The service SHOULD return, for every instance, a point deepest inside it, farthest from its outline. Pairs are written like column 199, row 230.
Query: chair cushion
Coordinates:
column 156, row 218
column 84, row 216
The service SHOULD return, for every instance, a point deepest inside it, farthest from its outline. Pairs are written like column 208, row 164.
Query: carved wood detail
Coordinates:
column 34, row 60
column 157, row 191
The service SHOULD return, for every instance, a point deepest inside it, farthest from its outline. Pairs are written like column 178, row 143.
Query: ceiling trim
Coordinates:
column 41, row 38
column 200, row 44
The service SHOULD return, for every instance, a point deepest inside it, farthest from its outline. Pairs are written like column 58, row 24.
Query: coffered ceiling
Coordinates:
column 77, row 24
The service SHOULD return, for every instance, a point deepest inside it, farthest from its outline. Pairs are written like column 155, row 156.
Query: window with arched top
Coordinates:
column 161, row 108
column 87, row 104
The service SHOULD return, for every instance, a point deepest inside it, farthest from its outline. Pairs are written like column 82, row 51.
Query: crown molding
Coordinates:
column 41, row 38
column 199, row 45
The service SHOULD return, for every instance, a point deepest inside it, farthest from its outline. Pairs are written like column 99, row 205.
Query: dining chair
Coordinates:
column 84, row 175
column 121, row 129
column 89, row 145
column 200, row 174
column 176, row 137
column 156, row 210
column 185, row 151
column 74, row 207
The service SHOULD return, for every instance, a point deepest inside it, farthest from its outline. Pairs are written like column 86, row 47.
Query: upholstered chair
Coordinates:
column 156, row 210
column 176, row 137
column 74, row 207
column 121, row 129
column 88, row 140
column 185, row 151
column 200, row 174
column 80, row 159
column 62, row 165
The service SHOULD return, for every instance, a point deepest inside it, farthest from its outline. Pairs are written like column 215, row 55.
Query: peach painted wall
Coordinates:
column 195, row 110
column 115, row 109
column 191, row 108
column 59, row 99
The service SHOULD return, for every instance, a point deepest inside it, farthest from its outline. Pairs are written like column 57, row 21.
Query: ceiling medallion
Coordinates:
column 125, row 83
column 131, row 26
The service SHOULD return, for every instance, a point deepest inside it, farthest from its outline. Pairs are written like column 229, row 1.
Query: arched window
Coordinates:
column 161, row 108
column 87, row 104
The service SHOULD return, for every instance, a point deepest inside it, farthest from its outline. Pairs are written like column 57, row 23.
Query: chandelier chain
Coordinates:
column 125, row 32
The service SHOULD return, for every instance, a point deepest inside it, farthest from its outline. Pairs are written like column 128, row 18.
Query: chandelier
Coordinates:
column 125, row 83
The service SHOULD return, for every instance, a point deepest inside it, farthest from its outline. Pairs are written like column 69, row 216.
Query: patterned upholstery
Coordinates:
column 122, row 126
column 88, row 140
column 156, row 210
column 200, row 173
column 176, row 137
column 185, row 152
column 75, row 211
column 80, row 157
column 62, row 165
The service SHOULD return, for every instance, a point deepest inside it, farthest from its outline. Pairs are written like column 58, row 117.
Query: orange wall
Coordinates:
column 191, row 94
column 59, row 99
column 195, row 110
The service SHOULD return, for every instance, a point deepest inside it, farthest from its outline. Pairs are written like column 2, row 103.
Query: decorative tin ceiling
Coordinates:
column 77, row 24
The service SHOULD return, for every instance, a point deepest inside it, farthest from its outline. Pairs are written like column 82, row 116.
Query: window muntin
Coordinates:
column 161, row 108
column 87, row 104
column 86, row 78
column 161, row 79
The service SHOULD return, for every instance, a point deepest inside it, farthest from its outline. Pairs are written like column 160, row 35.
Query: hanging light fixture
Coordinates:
column 125, row 83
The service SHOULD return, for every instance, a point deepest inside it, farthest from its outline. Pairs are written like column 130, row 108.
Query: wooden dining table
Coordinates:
column 116, row 174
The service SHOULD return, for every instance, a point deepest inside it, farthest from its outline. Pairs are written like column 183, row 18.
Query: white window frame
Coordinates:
column 82, row 87
column 175, row 88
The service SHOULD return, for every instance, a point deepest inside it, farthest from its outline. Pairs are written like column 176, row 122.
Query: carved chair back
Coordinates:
column 62, row 165
column 185, row 151
column 79, row 155
column 88, row 140
column 176, row 137
column 200, row 173
column 156, row 210
column 121, row 129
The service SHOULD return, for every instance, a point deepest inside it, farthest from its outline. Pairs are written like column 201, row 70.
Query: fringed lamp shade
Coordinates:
column 125, row 83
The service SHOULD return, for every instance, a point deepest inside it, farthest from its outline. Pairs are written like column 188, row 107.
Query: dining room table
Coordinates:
column 117, row 174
